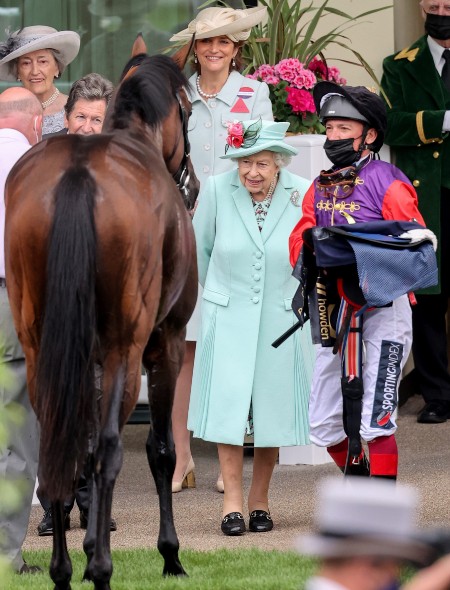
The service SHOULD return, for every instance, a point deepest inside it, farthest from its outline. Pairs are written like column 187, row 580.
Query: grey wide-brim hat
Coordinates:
column 265, row 135
column 28, row 39
column 359, row 517
column 216, row 21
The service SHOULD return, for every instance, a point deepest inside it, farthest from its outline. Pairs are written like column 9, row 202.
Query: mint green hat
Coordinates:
column 250, row 137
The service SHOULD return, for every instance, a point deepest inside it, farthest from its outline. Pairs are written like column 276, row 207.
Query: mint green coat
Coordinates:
column 246, row 305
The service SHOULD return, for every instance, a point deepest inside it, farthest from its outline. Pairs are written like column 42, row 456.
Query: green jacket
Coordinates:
column 417, row 100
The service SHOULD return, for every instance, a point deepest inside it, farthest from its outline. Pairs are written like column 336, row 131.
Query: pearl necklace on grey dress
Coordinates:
column 50, row 100
column 204, row 94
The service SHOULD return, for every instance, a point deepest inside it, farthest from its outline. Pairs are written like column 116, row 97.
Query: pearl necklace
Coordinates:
column 272, row 186
column 204, row 94
column 271, row 190
column 50, row 100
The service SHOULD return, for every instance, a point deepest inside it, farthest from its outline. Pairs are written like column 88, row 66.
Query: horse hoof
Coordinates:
column 175, row 570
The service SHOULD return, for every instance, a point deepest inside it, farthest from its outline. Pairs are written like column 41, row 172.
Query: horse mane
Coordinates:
column 149, row 92
column 136, row 60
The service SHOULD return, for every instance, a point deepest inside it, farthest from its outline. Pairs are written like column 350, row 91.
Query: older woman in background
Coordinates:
column 241, row 383
column 221, row 94
column 36, row 56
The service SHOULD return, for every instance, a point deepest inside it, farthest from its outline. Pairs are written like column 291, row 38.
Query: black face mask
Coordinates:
column 341, row 153
column 437, row 26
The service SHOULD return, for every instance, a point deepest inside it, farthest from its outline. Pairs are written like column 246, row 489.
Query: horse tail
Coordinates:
column 65, row 381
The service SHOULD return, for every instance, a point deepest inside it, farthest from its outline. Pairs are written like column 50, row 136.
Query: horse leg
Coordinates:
column 89, row 539
column 89, row 470
column 60, row 564
column 162, row 360
column 108, row 461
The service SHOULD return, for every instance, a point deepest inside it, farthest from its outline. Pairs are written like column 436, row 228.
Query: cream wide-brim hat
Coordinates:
column 28, row 39
column 216, row 21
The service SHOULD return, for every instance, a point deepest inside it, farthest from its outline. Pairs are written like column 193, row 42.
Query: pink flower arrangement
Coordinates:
column 290, row 83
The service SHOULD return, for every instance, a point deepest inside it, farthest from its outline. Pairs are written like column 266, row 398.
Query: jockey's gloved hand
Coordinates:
column 417, row 235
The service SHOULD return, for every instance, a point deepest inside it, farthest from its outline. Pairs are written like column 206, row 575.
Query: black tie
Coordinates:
column 446, row 69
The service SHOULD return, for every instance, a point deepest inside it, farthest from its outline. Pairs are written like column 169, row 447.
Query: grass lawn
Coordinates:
column 223, row 569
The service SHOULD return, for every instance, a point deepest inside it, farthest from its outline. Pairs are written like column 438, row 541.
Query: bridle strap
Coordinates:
column 182, row 176
column 180, row 133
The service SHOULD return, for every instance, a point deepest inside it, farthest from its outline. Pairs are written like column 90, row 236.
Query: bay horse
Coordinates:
column 101, row 274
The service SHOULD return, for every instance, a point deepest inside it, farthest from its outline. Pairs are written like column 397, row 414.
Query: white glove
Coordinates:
column 416, row 235
column 446, row 122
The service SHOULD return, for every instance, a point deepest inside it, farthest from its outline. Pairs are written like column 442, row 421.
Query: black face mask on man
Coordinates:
column 438, row 26
column 340, row 151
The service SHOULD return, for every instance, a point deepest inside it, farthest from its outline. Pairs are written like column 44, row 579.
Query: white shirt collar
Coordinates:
column 436, row 51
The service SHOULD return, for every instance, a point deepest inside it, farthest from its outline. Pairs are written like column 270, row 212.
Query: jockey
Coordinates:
column 358, row 188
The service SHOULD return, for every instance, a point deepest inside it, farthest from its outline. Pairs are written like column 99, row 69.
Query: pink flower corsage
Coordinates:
column 235, row 134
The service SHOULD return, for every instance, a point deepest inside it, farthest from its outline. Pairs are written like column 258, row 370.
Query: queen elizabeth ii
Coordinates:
column 241, row 384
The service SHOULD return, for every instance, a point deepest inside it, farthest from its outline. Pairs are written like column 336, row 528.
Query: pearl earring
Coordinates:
column 195, row 58
column 18, row 79
column 233, row 63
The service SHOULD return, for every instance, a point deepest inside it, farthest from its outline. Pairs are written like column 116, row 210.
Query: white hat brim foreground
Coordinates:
column 253, row 16
column 66, row 43
column 324, row 546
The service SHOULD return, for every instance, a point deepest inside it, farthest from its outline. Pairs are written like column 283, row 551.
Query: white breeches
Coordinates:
column 387, row 337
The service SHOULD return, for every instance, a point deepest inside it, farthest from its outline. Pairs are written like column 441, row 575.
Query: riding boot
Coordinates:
column 383, row 453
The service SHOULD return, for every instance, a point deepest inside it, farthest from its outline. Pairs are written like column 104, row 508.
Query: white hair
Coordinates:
column 281, row 159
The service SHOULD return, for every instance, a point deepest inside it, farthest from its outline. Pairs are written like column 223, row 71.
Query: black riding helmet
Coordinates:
column 352, row 102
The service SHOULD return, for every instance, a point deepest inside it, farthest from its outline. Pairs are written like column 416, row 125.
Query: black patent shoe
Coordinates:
column 45, row 527
column 260, row 521
column 233, row 524
column 435, row 412
column 84, row 521
column 29, row 569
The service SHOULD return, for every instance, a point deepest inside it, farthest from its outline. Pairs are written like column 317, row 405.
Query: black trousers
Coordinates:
column 80, row 496
column 429, row 323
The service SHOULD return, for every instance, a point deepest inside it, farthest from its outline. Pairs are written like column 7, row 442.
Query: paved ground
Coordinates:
column 424, row 462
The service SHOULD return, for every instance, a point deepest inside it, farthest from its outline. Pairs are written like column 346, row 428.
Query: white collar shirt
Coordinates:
column 436, row 51
column 13, row 145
